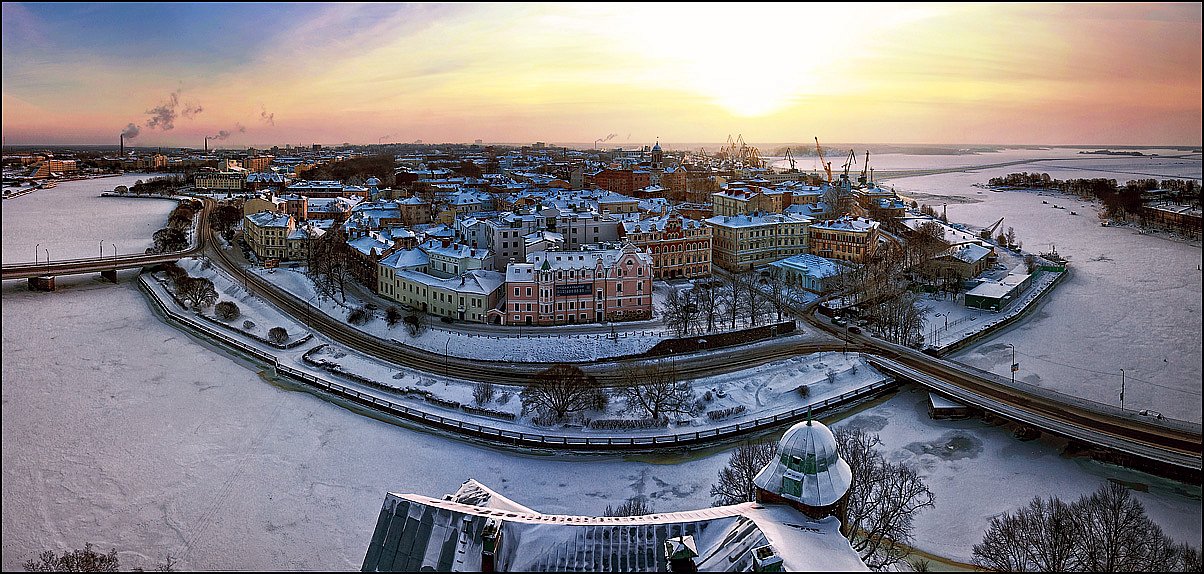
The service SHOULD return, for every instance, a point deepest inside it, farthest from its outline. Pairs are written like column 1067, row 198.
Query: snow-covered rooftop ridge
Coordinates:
column 747, row 220
column 811, row 265
column 859, row 224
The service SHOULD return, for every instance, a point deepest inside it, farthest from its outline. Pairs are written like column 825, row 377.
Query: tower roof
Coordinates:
column 808, row 468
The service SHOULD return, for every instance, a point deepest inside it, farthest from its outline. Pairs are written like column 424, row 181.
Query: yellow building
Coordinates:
column 741, row 242
column 220, row 180
column 267, row 233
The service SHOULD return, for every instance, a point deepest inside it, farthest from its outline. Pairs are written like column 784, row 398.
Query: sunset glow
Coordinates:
column 1026, row 73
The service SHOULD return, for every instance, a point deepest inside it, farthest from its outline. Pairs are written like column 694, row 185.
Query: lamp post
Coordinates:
column 102, row 249
column 445, row 360
column 1122, row 389
column 1015, row 367
column 47, row 260
column 35, row 254
column 114, row 246
column 936, row 332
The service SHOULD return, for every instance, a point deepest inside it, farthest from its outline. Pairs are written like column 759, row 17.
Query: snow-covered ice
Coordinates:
column 72, row 220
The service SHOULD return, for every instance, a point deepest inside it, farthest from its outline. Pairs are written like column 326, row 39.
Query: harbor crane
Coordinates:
column 989, row 231
column 790, row 158
column 827, row 164
column 864, row 168
column 848, row 162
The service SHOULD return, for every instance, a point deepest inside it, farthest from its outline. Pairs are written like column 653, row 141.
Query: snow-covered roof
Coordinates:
column 368, row 242
column 969, row 252
column 808, row 469
column 856, row 224
column 405, row 259
column 724, row 538
column 756, row 220
column 477, row 281
column 453, row 250
column 658, row 224
column 270, row 219
column 811, row 265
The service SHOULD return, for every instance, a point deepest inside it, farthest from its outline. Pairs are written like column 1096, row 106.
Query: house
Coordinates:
column 267, row 233
column 810, row 272
column 741, row 242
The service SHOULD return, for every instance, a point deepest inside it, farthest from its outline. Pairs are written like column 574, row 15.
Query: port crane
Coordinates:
column 790, row 158
column 827, row 164
column 864, row 168
column 989, row 231
column 848, row 162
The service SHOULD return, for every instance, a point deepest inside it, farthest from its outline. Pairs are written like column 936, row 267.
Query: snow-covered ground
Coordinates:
column 72, row 220
column 1132, row 301
column 948, row 321
column 251, row 308
column 124, row 431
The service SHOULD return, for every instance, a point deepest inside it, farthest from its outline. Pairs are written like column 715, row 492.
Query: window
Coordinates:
column 516, row 291
column 528, row 291
column 619, row 287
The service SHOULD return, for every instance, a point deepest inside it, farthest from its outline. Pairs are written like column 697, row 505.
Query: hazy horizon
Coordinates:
column 918, row 74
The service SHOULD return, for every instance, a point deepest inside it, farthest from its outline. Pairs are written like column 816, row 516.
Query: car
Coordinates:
column 839, row 322
column 855, row 330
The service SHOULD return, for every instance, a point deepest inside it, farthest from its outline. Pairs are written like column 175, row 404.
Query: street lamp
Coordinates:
column 47, row 259
column 1122, row 389
column 102, row 249
column 936, row 332
column 445, row 359
column 35, row 254
column 1015, row 367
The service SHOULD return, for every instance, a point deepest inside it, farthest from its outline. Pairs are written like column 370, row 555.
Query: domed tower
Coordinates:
column 658, row 156
column 808, row 474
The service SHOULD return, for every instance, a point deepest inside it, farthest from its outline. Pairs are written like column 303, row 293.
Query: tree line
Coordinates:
column 1119, row 201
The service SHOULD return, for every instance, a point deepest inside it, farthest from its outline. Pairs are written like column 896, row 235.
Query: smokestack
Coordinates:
column 121, row 154
column 206, row 145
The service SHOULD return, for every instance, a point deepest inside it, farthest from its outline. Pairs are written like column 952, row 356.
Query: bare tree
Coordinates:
column 329, row 262
column 1107, row 531
column 560, row 390
column 736, row 479
column 709, row 297
column 679, row 311
column 482, row 392
column 883, row 500
column 654, row 390
column 415, row 323
column 87, row 560
column 777, row 290
column 634, row 506
column 197, row 291
column 748, row 285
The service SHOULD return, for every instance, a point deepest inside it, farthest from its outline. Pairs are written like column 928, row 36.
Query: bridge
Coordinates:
column 44, row 273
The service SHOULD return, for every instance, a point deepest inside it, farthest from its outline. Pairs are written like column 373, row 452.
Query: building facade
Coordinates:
column 679, row 247
column 561, row 287
column 852, row 239
column 267, row 233
column 741, row 242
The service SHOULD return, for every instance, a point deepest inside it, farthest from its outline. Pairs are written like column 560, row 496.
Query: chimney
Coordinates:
column 206, row 144
column 445, row 242
column 121, row 154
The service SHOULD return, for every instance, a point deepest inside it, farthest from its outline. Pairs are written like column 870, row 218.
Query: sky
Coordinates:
column 265, row 74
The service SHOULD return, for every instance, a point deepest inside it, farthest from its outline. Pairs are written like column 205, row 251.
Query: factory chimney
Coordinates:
column 121, row 154
column 206, row 145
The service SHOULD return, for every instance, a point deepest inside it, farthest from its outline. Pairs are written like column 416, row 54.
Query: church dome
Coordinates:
column 807, row 468
column 372, row 182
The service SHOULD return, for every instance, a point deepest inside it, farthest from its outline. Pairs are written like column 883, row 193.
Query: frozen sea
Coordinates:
column 72, row 221
column 121, row 430
column 1132, row 301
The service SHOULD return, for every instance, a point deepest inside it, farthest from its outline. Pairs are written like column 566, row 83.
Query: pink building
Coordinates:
column 560, row 287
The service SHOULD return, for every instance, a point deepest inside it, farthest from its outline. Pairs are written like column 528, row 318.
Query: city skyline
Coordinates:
column 246, row 74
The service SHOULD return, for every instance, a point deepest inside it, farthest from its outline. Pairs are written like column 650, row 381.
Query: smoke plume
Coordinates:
column 131, row 131
column 164, row 115
column 265, row 117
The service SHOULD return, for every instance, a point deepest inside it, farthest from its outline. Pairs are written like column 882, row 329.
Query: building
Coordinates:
column 267, row 233
column 467, row 297
column 810, row 272
column 795, row 526
column 741, row 242
column 679, row 247
column 963, row 261
column 995, row 295
column 624, row 181
column 54, row 168
column 743, row 200
column 560, row 287
column 852, row 239
column 220, row 181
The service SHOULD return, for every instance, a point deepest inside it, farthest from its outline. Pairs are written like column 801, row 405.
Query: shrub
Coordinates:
column 724, row 413
column 804, row 391
column 226, row 311
column 248, row 324
column 360, row 315
column 628, row 424
column 278, row 335
column 392, row 316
